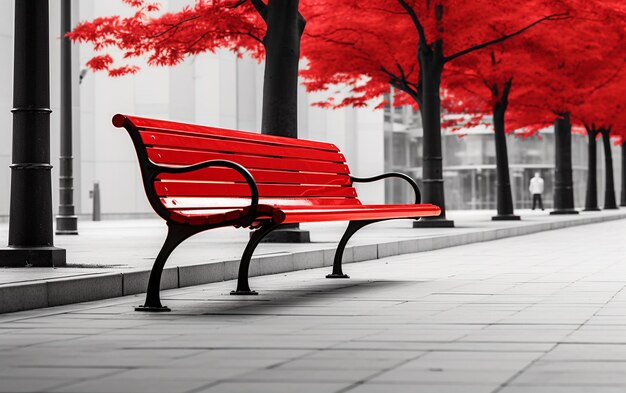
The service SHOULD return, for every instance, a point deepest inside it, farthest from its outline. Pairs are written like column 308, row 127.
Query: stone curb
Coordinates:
column 56, row 292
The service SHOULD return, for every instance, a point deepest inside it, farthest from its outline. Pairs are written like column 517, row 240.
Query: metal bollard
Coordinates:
column 95, row 195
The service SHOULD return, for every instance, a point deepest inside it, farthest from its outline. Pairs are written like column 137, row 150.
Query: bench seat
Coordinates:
column 302, row 213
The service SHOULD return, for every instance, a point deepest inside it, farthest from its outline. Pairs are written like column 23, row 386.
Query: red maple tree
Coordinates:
column 408, row 44
column 480, row 88
column 603, row 114
column 269, row 30
column 551, row 78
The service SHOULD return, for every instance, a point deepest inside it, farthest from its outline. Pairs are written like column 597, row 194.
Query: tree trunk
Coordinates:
column 431, row 63
column 609, row 189
column 623, row 195
column 282, row 55
column 563, row 183
column 591, row 200
column 285, row 26
column 504, row 195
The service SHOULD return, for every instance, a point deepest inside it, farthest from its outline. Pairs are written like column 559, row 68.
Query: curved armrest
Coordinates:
column 254, row 190
column 412, row 183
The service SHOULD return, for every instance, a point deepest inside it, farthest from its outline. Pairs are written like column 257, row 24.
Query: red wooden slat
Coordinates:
column 260, row 176
column 359, row 207
column 181, row 157
column 221, row 203
column 232, row 189
column 139, row 122
column 209, row 143
column 366, row 212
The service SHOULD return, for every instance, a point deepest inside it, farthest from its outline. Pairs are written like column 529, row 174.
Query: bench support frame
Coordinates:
column 176, row 234
column 243, row 287
column 353, row 227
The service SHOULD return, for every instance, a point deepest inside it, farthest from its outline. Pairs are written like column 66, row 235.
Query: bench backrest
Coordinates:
column 287, row 171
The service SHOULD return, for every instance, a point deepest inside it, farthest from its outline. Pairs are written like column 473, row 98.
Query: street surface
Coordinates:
column 544, row 313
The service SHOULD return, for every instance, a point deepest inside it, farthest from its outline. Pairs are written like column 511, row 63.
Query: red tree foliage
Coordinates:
column 554, row 69
column 485, row 81
column 582, row 58
column 368, row 45
column 166, row 38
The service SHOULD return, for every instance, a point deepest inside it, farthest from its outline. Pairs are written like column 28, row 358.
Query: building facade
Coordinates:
column 469, row 163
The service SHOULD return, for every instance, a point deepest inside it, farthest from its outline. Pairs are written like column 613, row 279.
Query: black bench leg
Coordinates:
column 351, row 230
column 243, row 288
column 175, row 235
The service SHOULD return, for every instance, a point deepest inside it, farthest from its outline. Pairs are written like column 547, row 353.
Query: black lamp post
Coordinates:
column 30, row 221
column 66, row 220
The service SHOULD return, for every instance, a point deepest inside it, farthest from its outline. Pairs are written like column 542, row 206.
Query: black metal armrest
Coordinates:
column 412, row 183
column 254, row 190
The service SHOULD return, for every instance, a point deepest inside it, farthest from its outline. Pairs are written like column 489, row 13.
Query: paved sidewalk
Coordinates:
column 113, row 258
column 544, row 313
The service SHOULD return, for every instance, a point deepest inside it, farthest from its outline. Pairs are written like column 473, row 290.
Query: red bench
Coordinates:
column 198, row 178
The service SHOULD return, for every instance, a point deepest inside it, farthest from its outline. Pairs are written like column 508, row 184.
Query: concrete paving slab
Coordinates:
column 463, row 319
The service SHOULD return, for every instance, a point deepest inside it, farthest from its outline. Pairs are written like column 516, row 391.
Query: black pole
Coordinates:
column 591, row 198
column 623, row 194
column 503, row 184
column 66, row 220
column 563, row 182
column 30, row 221
column 609, row 187
column 285, row 26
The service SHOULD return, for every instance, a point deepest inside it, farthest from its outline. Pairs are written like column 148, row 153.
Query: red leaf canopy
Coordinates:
column 166, row 38
column 369, row 44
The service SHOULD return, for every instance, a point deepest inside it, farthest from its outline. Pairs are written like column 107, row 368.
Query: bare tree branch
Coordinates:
column 401, row 83
column 174, row 26
column 301, row 23
column 609, row 79
column 504, row 37
column 261, row 8
column 416, row 22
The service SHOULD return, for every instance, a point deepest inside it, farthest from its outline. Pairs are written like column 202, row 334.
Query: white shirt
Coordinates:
column 536, row 185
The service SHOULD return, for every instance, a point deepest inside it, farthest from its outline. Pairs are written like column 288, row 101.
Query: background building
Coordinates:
column 469, row 161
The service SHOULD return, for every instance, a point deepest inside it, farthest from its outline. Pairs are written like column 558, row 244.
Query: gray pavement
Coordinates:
column 543, row 313
column 113, row 258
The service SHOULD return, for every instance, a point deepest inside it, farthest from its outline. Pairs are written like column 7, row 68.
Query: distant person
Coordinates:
column 536, row 189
